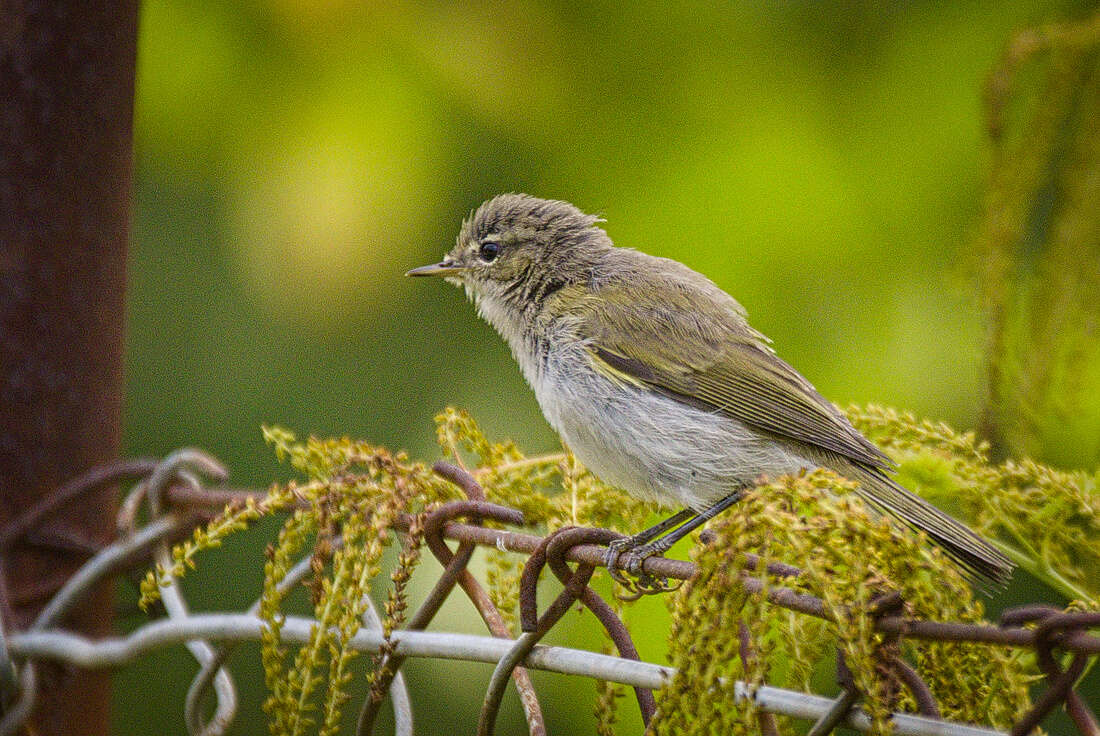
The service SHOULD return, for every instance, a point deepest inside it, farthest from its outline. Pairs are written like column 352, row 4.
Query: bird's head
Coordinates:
column 517, row 249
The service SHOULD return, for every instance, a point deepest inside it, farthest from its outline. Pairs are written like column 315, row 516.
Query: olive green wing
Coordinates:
column 714, row 360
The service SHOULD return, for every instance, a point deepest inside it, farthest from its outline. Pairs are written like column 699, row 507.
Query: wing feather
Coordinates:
column 714, row 360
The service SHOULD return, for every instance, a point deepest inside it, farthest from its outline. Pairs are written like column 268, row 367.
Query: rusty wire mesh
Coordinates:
column 179, row 501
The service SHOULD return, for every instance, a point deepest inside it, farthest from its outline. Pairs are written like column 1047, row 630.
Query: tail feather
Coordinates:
column 976, row 555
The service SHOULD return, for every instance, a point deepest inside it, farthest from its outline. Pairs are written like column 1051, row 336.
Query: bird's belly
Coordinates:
column 653, row 446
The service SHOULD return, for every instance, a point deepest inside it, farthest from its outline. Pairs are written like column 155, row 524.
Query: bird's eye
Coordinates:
column 489, row 251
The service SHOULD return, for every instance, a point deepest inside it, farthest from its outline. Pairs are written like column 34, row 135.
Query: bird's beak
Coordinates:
column 443, row 268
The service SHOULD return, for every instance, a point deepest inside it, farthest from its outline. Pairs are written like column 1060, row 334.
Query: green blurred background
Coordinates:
column 823, row 162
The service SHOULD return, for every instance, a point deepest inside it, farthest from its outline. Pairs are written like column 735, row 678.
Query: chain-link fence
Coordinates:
column 178, row 500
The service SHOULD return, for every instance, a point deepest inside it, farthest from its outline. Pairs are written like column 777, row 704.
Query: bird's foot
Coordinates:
column 615, row 549
column 638, row 582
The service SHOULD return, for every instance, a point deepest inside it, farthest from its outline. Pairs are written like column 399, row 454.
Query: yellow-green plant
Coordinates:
column 355, row 500
column 353, row 493
column 848, row 558
column 1046, row 520
column 1039, row 243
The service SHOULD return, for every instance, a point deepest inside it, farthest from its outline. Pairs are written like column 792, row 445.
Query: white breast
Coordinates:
column 653, row 446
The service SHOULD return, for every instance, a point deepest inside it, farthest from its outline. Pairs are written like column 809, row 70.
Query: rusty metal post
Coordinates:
column 66, row 110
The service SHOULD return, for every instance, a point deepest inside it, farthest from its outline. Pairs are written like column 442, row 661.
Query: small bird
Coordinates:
column 655, row 380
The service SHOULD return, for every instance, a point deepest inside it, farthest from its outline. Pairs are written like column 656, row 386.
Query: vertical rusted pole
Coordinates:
column 66, row 109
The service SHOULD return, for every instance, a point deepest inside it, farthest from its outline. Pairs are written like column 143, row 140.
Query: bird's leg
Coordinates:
column 624, row 544
column 655, row 544
column 661, row 545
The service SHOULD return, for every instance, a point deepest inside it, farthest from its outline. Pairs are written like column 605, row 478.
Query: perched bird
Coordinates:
column 653, row 377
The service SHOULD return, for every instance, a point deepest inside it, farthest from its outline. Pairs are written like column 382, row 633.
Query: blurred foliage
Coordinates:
column 821, row 161
column 1039, row 249
column 344, row 516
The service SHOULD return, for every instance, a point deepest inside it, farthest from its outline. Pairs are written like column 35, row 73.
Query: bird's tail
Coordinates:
column 977, row 556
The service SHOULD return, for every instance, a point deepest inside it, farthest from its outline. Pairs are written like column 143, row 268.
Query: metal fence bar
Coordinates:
column 108, row 561
column 118, row 651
